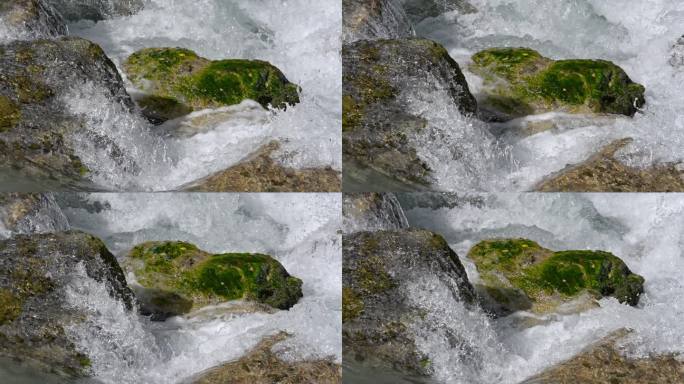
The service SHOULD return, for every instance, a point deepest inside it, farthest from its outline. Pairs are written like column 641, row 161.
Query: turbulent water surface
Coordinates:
column 637, row 35
column 299, row 230
column 645, row 230
column 300, row 37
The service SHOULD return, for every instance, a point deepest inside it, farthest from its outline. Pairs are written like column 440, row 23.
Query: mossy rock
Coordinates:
column 10, row 114
column 189, row 274
column 520, row 81
column 197, row 83
column 519, row 274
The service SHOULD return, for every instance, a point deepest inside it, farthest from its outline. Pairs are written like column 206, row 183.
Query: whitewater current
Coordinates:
column 639, row 36
column 299, row 230
column 645, row 230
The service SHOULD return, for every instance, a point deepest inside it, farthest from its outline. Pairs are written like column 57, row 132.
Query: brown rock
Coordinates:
column 602, row 363
column 262, row 366
column 260, row 173
column 603, row 173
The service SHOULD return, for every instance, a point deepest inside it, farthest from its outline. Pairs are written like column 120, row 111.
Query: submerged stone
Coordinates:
column 197, row 83
column 262, row 366
column 26, row 213
column 179, row 272
column 96, row 10
column 374, row 19
column 259, row 172
column 376, row 124
column 377, row 270
column 519, row 274
column 520, row 81
column 31, row 19
column 35, row 273
column 602, row 172
column 372, row 211
column 419, row 10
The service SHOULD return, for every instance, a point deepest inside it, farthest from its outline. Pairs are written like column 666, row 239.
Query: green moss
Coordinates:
column 509, row 63
column 352, row 305
column 85, row 361
column 203, row 278
column 10, row 114
column 11, row 306
column 371, row 276
column 510, row 255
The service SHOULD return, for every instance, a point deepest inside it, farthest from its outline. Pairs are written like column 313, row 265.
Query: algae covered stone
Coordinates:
column 181, row 76
column 186, row 273
column 521, row 275
column 520, row 81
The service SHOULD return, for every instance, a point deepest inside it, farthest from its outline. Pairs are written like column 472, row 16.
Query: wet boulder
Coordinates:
column 30, row 19
column 260, row 172
column 178, row 277
column 25, row 213
column 35, row 314
column 36, row 127
column 519, row 274
column 603, row 172
column 377, row 312
column 376, row 122
column 372, row 211
column 419, row 10
column 520, row 82
column 374, row 19
column 677, row 54
column 177, row 79
column 96, row 10
column 262, row 366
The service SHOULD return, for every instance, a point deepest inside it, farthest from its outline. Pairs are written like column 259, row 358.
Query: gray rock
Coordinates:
column 30, row 19
column 26, row 213
column 376, row 310
column 375, row 123
column 374, row 19
column 677, row 54
column 35, row 127
column 95, row 10
column 372, row 211
column 419, row 10
column 35, row 271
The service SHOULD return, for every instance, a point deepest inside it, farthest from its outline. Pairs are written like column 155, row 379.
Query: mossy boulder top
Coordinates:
column 378, row 272
column 521, row 275
column 180, row 271
column 520, row 81
column 180, row 76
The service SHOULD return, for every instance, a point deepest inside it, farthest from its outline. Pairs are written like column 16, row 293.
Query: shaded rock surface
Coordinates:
column 603, row 363
column 262, row 366
column 36, row 128
column 376, row 311
column 602, row 172
column 95, row 10
column 519, row 274
column 374, row 19
column 30, row 213
column 178, row 79
column 375, row 122
column 35, row 271
column 179, row 277
column 30, row 19
column 520, row 82
column 372, row 211
column 419, row 10
column 259, row 172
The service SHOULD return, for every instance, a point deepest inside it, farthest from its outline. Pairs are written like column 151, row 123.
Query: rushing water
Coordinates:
column 299, row 230
column 301, row 37
column 638, row 36
column 645, row 230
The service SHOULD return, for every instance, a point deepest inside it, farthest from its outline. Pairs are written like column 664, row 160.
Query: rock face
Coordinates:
column 519, row 274
column 604, row 173
column 178, row 78
column 30, row 213
column 30, row 19
column 95, row 10
column 35, row 128
column 602, row 363
column 376, row 312
column 34, row 273
column 374, row 19
column 262, row 366
column 520, row 81
column 372, row 211
column 180, row 277
column 375, row 122
column 419, row 10
column 260, row 173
